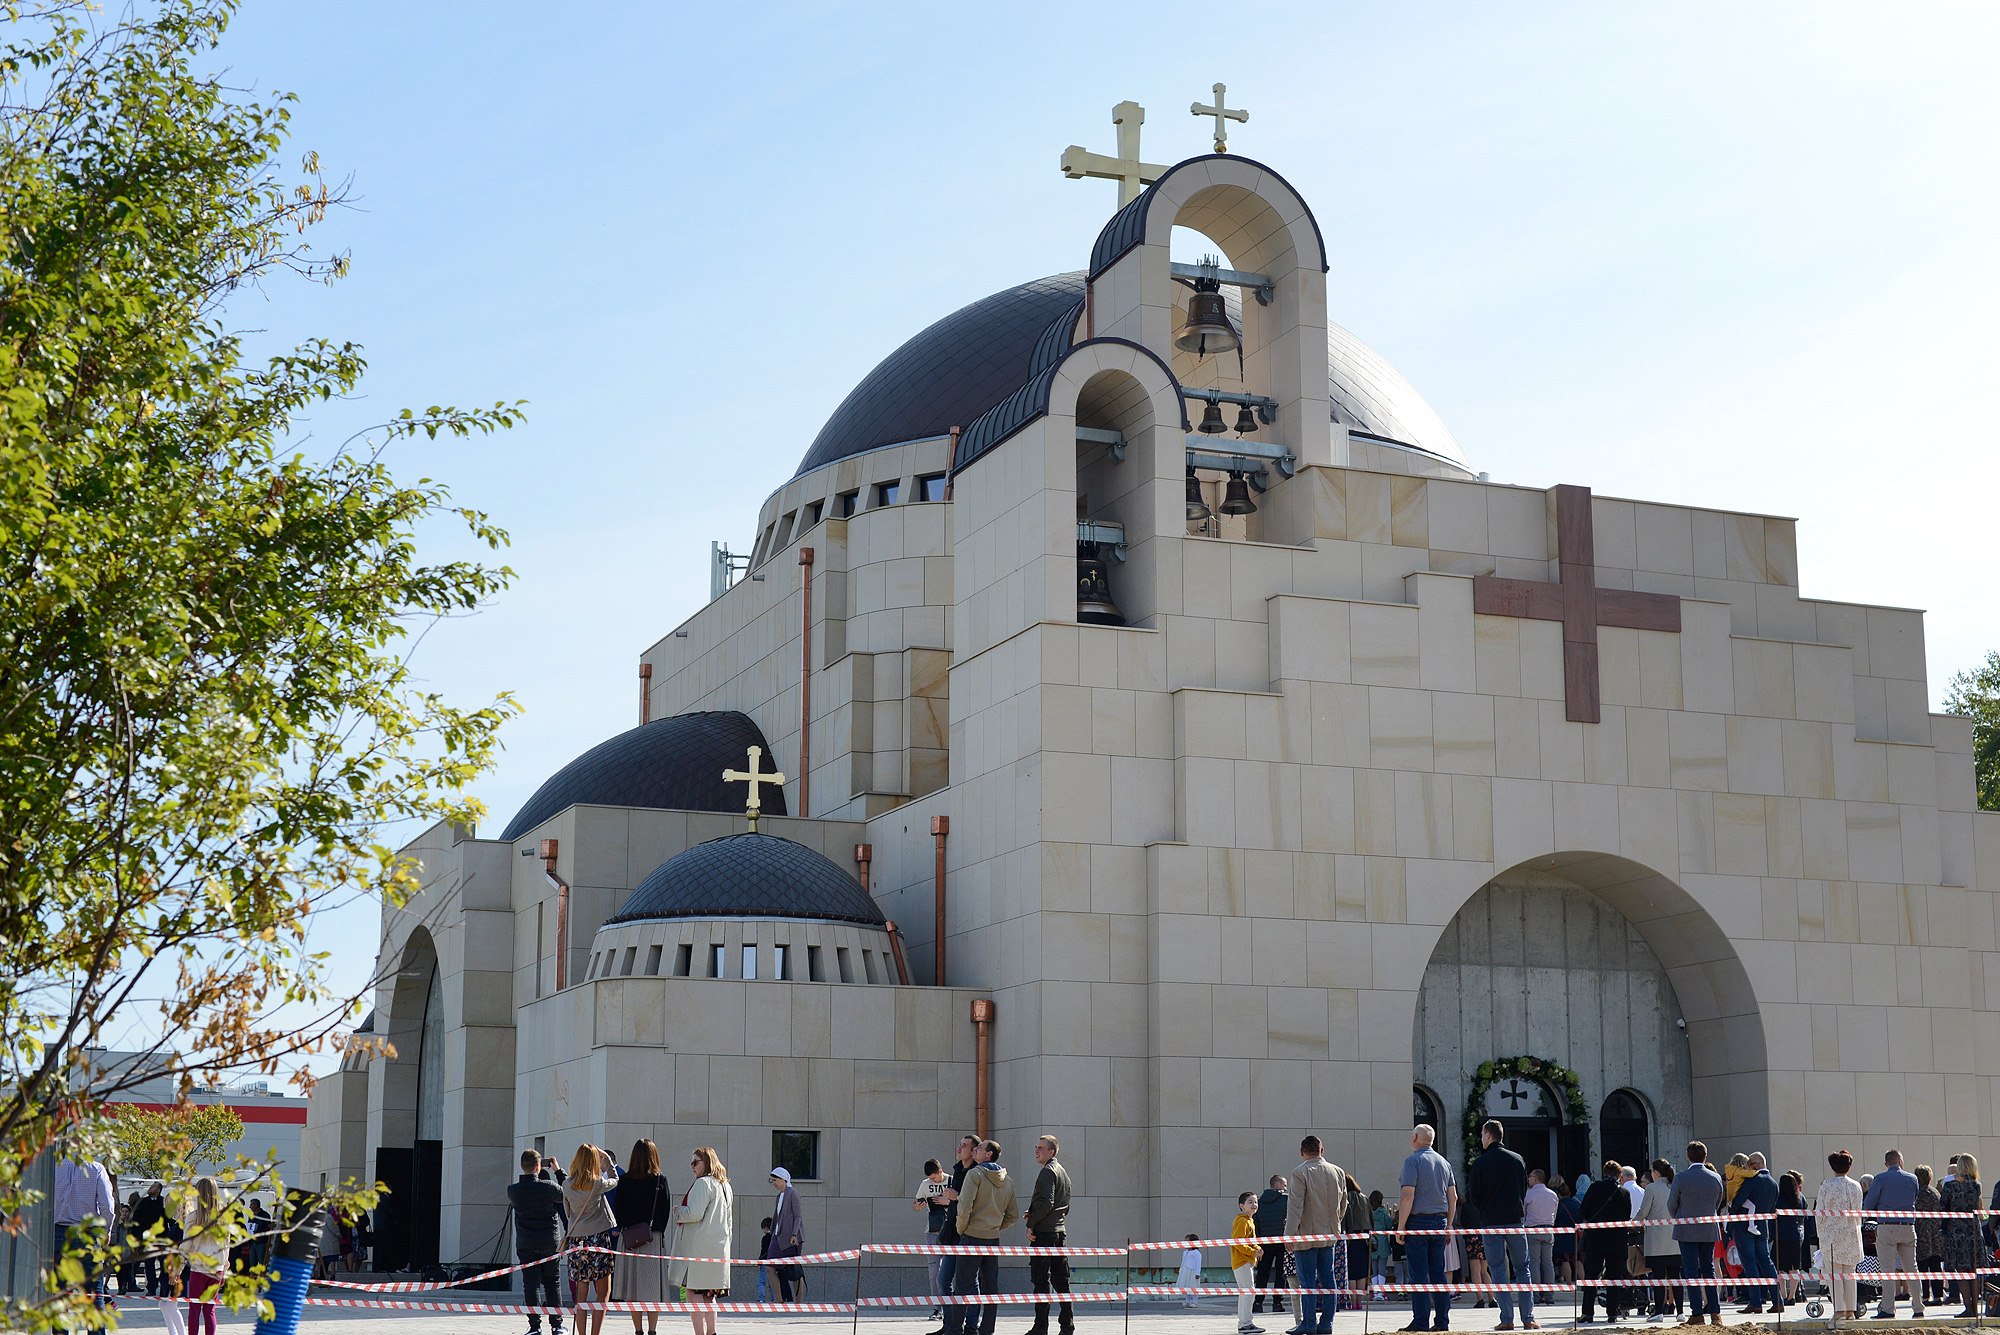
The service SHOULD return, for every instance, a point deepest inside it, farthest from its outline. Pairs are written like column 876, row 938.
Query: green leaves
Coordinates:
column 1976, row 694
column 205, row 719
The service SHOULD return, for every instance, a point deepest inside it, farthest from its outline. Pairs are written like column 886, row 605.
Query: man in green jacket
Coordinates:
column 1047, row 1220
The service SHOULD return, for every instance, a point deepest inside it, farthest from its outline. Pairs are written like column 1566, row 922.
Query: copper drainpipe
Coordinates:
column 805, row 676
column 940, row 827
column 896, row 945
column 982, row 1020
column 645, row 693
column 562, row 912
column 950, row 479
column 1090, row 310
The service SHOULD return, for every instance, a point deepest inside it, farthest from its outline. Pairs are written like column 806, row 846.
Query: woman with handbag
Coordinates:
column 641, row 1200
column 1962, row 1250
column 587, row 1205
column 702, row 1226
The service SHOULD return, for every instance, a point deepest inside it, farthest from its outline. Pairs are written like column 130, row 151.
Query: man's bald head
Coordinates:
column 1757, row 1162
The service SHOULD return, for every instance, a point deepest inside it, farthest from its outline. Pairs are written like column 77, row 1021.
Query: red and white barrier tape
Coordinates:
column 938, row 1249
column 815, row 1258
column 1218, row 1291
column 990, row 1299
column 1317, row 1239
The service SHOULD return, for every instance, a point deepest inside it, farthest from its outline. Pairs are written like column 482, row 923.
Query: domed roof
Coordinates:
column 749, row 876
column 675, row 763
column 1369, row 394
column 948, row 374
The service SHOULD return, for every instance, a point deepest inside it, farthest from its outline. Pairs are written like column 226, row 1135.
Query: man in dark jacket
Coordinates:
column 151, row 1209
column 1271, row 1207
column 1495, row 1185
column 1758, row 1194
column 1047, row 1219
column 539, row 1223
column 1604, row 1248
column 954, row 1314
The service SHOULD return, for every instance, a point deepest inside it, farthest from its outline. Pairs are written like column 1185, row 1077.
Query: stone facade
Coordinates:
column 1203, row 863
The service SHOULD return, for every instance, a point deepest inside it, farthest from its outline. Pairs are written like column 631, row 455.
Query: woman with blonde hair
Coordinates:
column 1962, row 1251
column 205, row 1244
column 592, row 1223
column 702, row 1226
column 1838, row 1207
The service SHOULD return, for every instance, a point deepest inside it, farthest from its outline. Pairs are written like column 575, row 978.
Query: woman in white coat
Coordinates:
column 702, row 1227
column 1839, row 1211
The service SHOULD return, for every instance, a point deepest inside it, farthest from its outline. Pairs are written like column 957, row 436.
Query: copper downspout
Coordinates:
column 982, row 1020
column 562, row 912
column 951, row 479
column 1090, row 310
column 805, row 676
column 940, row 827
column 864, row 854
column 645, row 693
column 896, row 945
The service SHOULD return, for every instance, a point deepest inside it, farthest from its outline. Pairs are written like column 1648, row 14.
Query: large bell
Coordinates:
column 1208, row 330
column 1246, row 421
column 1093, row 589
column 1197, row 504
column 1236, row 498
column 1211, row 420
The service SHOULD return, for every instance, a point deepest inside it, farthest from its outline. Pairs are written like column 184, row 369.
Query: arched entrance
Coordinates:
column 410, row 1157
column 1625, row 1130
column 1601, row 965
column 1534, row 1120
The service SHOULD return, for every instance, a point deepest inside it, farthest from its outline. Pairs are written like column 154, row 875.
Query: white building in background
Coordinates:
column 1249, row 761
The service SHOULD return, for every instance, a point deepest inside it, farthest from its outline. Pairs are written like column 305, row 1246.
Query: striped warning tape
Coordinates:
column 992, row 1299
column 939, row 1249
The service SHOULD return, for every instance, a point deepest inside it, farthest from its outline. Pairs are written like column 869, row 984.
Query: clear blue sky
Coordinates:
column 1733, row 255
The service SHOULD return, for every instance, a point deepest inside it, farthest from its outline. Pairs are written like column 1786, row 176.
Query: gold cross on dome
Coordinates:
column 757, row 775
column 1222, row 115
column 1131, row 174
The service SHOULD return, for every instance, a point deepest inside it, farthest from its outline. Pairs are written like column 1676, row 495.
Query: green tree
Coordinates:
column 206, row 717
column 174, row 1142
column 1976, row 694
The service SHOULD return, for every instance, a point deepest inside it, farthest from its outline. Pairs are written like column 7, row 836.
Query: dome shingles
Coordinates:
column 674, row 763
column 949, row 374
column 749, row 876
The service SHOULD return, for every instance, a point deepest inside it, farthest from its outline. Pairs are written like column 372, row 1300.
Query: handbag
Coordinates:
column 1635, row 1261
column 632, row 1237
column 1734, row 1257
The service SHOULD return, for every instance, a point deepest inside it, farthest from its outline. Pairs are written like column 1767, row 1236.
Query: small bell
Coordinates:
column 1093, row 589
column 1208, row 330
column 1236, row 499
column 1246, row 421
column 1211, row 420
column 1197, row 504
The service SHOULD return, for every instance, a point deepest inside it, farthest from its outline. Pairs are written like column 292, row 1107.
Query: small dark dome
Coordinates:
column 675, row 763
column 749, row 876
column 948, row 374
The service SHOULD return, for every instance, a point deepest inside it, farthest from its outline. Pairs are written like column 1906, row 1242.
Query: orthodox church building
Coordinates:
column 1185, row 747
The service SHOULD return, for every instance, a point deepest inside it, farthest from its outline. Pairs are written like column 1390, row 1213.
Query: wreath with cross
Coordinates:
column 1563, row 1080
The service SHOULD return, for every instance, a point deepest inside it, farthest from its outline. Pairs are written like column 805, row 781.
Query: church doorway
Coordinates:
column 410, row 1160
column 1625, row 1130
column 1536, row 965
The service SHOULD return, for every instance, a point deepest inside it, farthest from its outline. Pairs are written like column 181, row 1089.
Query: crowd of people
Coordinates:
column 1517, row 1230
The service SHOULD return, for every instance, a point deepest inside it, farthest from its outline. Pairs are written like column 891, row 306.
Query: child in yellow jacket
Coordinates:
column 1243, row 1260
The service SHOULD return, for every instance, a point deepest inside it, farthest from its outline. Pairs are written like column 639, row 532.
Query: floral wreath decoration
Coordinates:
column 1562, row 1079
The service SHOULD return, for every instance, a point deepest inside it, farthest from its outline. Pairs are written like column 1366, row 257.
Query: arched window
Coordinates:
column 1424, row 1110
column 1625, row 1131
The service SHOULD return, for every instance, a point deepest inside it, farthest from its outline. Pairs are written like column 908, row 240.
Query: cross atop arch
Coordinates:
column 1132, row 175
column 1223, row 115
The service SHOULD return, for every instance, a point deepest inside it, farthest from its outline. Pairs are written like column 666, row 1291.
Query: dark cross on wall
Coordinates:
column 1577, row 602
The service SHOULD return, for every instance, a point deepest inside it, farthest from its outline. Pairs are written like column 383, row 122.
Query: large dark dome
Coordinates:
column 749, row 876
column 675, row 763
column 949, row 374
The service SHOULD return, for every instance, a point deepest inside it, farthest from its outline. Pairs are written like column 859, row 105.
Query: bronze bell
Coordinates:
column 1093, row 589
column 1246, row 421
column 1236, row 498
column 1197, row 504
column 1208, row 330
column 1211, row 420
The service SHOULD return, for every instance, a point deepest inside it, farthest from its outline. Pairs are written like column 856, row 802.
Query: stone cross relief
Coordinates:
column 755, row 777
column 1577, row 602
column 1223, row 115
column 1132, row 175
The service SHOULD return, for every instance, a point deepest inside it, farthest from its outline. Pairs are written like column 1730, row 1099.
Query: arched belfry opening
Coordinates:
column 1542, row 963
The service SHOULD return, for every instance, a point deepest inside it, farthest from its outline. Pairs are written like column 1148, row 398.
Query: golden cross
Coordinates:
column 1131, row 174
column 1222, row 114
column 755, row 777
